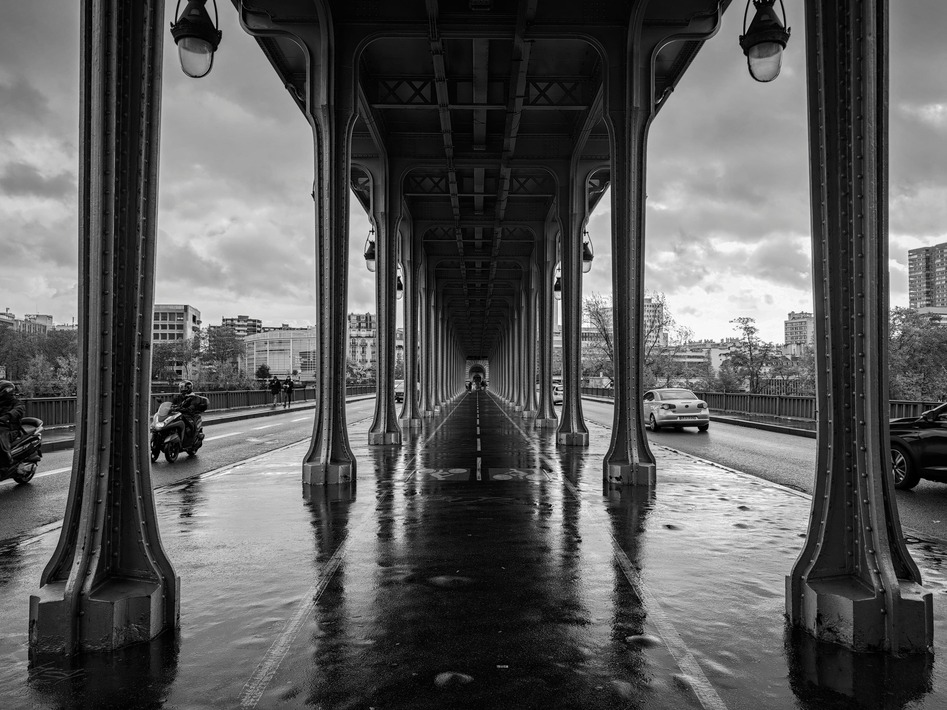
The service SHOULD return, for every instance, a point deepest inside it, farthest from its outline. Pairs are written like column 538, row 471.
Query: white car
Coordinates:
column 675, row 407
column 557, row 394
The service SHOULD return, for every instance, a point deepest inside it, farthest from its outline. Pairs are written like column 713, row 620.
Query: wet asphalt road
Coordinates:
column 25, row 508
column 787, row 460
column 781, row 458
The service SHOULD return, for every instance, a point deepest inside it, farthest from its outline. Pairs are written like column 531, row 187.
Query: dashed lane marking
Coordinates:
column 265, row 426
column 222, row 436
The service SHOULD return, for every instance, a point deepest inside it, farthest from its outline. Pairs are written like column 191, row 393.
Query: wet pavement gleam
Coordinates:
column 473, row 569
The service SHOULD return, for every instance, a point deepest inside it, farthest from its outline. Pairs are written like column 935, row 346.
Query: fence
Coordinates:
column 771, row 405
column 61, row 411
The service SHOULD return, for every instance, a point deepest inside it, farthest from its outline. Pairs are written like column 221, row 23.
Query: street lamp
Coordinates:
column 370, row 250
column 196, row 36
column 763, row 43
column 557, row 284
column 587, row 253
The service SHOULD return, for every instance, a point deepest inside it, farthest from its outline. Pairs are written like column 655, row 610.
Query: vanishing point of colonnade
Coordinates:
column 478, row 176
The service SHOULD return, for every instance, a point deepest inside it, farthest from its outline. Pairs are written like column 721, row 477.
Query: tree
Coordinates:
column 223, row 345
column 598, row 352
column 262, row 372
column 751, row 356
column 917, row 367
column 727, row 379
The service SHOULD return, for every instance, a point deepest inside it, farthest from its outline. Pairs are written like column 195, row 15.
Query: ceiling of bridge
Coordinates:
column 473, row 96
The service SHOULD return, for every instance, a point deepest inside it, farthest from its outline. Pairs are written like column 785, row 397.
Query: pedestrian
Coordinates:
column 288, row 386
column 276, row 387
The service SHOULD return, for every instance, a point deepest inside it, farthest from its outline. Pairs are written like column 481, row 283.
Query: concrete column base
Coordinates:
column 528, row 413
column 326, row 474
column 427, row 413
column 631, row 474
column 118, row 613
column 410, row 423
column 573, row 438
column 437, row 408
column 841, row 610
column 546, row 423
column 384, row 438
column 517, row 408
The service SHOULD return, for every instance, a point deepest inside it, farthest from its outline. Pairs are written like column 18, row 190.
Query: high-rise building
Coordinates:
column 242, row 325
column 175, row 322
column 798, row 333
column 927, row 277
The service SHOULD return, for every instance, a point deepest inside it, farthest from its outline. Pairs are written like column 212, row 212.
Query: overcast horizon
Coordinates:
column 728, row 231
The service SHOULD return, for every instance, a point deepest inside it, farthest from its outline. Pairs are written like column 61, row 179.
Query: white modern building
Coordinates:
column 175, row 321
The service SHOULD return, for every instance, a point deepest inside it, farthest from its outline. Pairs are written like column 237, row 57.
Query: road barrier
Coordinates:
column 61, row 411
column 772, row 405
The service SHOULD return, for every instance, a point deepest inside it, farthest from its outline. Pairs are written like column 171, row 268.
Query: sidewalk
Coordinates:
column 435, row 584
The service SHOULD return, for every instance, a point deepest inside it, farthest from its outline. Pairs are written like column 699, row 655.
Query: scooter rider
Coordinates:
column 11, row 411
column 187, row 403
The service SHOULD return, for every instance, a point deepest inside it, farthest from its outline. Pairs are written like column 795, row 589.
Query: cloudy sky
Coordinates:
column 728, row 207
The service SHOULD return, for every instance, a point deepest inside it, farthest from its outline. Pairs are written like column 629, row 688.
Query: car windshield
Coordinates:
column 677, row 394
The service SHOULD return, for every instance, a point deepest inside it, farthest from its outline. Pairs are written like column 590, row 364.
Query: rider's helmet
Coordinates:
column 7, row 389
column 185, row 387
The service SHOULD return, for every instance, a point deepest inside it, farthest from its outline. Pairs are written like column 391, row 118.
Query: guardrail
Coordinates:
column 773, row 405
column 61, row 411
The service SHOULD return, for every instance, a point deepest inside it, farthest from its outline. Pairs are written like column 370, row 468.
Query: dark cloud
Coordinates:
column 24, row 179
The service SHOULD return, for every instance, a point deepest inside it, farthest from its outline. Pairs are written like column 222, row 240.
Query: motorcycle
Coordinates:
column 170, row 434
column 25, row 451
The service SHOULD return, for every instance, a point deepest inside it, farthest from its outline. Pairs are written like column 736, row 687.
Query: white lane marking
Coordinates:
column 703, row 689
column 478, row 469
column 298, row 419
column 53, row 472
column 222, row 436
column 265, row 426
column 478, row 444
column 255, row 687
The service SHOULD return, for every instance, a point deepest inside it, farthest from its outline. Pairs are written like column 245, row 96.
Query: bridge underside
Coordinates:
column 479, row 136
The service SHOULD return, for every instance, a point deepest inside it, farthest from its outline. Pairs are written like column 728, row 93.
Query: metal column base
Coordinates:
column 384, row 438
column 410, row 423
column 118, row 613
column 527, row 413
column 631, row 474
column 321, row 474
column 546, row 423
column 427, row 413
column 840, row 610
column 573, row 438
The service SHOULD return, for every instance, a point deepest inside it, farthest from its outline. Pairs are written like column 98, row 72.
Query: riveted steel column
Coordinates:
column 530, row 406
column 854, row 583
column 427, row 340
column 329, row 459
column 410, row 412
column 572, row 430
column 109, row 583
column 628, row 115
column 546, row 413
column 384, row 429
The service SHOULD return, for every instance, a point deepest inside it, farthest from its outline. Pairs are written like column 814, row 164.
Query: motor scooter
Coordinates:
column 25, row 451
column 170, row 435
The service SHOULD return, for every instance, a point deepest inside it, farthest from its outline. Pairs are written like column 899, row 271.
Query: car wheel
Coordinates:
column 902, row 469
column 653, row 424
column 171, row 452
column 703, row 427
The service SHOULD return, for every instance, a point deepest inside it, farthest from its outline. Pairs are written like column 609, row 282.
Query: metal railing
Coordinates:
column 61, row 411
column 771, row 405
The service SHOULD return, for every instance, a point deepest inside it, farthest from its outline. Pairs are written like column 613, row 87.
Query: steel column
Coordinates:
column 546, row 412
column 109, row 583
column 329, row 459
column 854, row 582
column 386, row 194
column 572, row 430
column 628, row 114
column 410, row 412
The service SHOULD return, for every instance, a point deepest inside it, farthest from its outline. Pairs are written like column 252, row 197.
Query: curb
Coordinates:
column 234, row 416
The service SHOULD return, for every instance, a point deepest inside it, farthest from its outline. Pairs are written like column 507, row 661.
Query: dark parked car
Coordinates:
column 919, row 448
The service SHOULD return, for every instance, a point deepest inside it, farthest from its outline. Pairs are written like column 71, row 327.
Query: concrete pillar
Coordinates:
column 109, row 583
column 572, row 430
column 854, row 582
